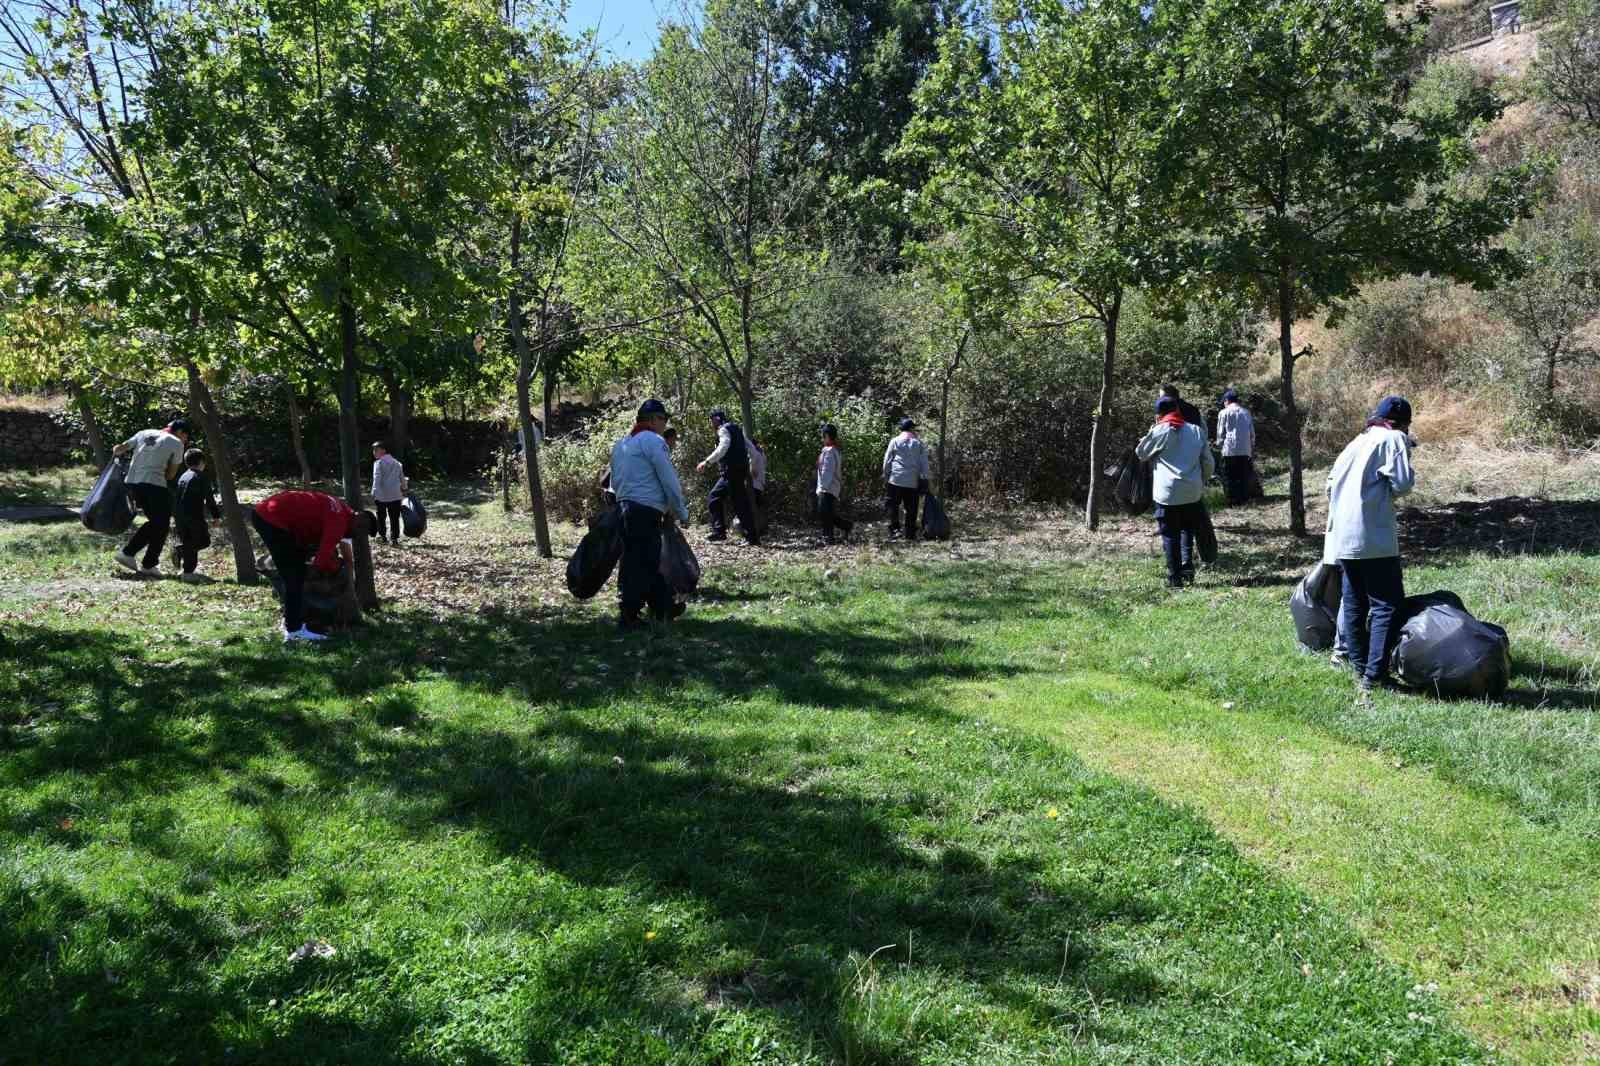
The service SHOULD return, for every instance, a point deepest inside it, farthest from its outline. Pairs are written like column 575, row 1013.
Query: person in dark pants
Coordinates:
column 1236, row 436
column 193, row 500
column 388, row 489
column 907, row 471
column 1364, row 538
column 1182, row 463
column 732, row 455
column 1192, row 416
column 647, row 489
column 157, row 461
column 297, row 524
column 830, row 486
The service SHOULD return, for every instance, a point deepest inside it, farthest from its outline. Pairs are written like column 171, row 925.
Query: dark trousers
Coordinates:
column 734, row 484
column 289, row 559
column 1374, row 591
column 908, row 498
column 1177, row 523
column 828, row 515
column 1236, row 471
column 193, row 538
column 640, row 581
column 156, row 503
column 392, row 512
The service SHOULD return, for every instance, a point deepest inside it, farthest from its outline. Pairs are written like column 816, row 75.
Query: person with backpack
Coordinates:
column 195, row 496
column 648, row 492
column 157, row 461
column 388, row 490
column 732, row 455
column 1236, row 436
column 1364, row 538
column 830, row 486
column 299, row 525
column 1181, row 461
column 907, row 471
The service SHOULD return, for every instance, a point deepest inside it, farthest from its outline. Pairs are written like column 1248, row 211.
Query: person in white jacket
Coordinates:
column 1364, row 537
column 1182, row 464
column 906, row 469
column 1236, row 436
column 830, row 486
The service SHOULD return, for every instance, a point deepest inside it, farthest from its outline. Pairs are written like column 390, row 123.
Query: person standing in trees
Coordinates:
column 732, row 454
column 830, row 486
column 195, row 496
column 388, row 489
column 1181, row 459
column 907, row 470
column 1364, row 538
column 157, row 461
column 1236, row 436
column 297, row 524
column 648, row 492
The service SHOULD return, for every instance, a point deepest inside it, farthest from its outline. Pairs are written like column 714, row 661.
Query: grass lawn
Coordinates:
column 1001, row 801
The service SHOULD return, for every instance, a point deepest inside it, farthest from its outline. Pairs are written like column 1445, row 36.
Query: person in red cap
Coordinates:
column 295, row 524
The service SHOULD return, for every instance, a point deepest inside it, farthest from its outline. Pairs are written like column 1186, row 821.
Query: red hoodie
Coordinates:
column 314, row 519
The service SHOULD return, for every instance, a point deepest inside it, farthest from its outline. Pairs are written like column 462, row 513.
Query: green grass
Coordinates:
column 926, row 810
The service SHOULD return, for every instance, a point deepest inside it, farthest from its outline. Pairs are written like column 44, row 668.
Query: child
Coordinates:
column 830, row 486
column 388, row 489
column 195, row 497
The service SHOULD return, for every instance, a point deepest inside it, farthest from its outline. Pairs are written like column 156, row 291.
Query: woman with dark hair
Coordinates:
column 830, row 485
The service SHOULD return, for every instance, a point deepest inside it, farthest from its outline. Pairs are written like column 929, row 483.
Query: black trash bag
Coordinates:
column 678, row 563
column 1315, row 606
column 935, row 523
column 1255, row 490
column 1444, row 650
column 1135, row 483
column 329, row 600
column 413, row 516
column 108, row 508
column 598, row 553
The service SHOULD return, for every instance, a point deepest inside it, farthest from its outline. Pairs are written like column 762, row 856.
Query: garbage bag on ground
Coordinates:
column 1255, row 491
column 1315, row 606
column 413, row 516
column 596, row 556
column 1446, row 651
column 108, row 508
column 1135, row 483
column 935, row 523
column 329, row 599
column 678, row 563
column 1205, row 537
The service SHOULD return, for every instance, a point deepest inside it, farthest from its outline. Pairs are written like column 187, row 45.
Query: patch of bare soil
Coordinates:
column 1512, row 525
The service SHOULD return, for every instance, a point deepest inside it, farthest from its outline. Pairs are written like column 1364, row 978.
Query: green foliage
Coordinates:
column 1566, row 72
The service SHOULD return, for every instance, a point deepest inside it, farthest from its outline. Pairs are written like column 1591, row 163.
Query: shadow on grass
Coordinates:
column 1513, row 525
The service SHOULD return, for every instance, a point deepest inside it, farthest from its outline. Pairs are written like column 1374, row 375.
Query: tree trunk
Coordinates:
column 91, row 427
column 221, row 461
column 350, row 447
column 747, row 406
column 505, row 479
column 525, row 368
column 1291, row 412
column 1550, row 358
column 549, row 398
column 297, row 436
column 399, row 416
column 1102, row 415
column 944, row 407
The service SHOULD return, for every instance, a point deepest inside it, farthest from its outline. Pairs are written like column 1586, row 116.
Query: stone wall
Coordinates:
column 32, row 439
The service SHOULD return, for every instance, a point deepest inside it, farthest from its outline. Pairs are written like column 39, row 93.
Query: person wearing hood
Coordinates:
column 648, row 492
column 1364, row 537
column 906, row 469
column 1236, row 436
column 1181, row 460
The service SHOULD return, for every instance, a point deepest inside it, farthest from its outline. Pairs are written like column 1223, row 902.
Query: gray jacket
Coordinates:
column 1236, row 432
column 905, row 463
column 1182, row 462
column 388, row 480
column 830, row 472
column 642, row 472
column 1372, row 470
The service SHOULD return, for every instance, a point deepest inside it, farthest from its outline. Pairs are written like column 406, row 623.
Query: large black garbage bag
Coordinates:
column 1135, row 483
column 329, row 599
column 1444, row 650
column 1315, row 606
column 678, row 563
column 108, row 508
column 413, row 516
column 1205, row 537
column 935, row 523
column 598, row 552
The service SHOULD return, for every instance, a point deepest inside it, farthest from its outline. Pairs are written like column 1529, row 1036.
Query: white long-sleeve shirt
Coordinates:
column 1236, row 432
column 1369, row 474
column 388, row 480
column 905, row 462
column 724, row 442
column 830, row 472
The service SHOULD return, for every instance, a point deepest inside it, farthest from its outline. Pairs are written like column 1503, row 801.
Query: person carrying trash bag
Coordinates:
column 1181, row 464
column 295, row 524
column 1364, row 538
column 830, row 486
column 388, row 490
column 907, row 470
column 1236, row 436
column 732, row 456
column 648, row 493
column 157, row 460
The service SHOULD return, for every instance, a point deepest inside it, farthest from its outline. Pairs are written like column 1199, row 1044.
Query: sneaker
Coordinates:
column 127, row 562
column 303, row 634
column 150, row 571
column 192, row 578
column 1340, row 660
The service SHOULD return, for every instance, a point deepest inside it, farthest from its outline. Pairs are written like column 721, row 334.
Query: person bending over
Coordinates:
column 298, row 525
column 157, row 461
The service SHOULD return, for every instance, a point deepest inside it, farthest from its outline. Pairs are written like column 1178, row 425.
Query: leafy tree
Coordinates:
column 1566, row 72
column 1309, row 175
column 1558, row 293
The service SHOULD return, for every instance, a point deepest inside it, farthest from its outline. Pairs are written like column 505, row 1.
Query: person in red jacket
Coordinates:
column 293, row 525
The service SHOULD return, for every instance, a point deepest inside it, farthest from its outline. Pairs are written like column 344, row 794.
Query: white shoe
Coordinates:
column 149, row 571
column 302, row 634
column 194, row 579
column 127, row 562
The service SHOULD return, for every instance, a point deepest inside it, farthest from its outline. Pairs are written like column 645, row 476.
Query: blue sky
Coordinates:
column 627, row 27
